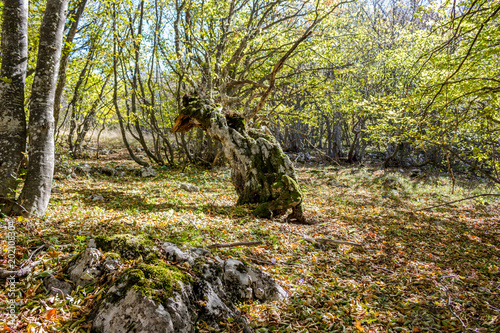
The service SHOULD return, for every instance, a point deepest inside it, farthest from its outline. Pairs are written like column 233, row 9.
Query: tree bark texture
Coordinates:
column 14, row 51
column 36, row 191
column 260, row 171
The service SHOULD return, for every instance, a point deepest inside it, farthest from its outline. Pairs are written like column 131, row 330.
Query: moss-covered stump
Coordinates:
column 171, row 289
column 260, row 171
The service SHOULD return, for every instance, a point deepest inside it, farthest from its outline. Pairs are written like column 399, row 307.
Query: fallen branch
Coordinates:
column 20, row 272
column 34, row 253
column 267, row 262
column 464, row 199
column 331, row 241
column 217, row 246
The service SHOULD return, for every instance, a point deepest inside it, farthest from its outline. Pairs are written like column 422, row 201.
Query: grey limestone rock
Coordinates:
column 149, row 172
column 189, row 187
column 55, row 286
column 144, row 314
column 109, row 171
column 86, row 268
column 160, row 296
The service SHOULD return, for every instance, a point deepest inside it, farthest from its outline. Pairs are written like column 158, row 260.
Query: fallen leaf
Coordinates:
column 359, row 327
column 51, row 314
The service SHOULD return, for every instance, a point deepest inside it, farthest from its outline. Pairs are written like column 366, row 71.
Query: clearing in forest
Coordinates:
column 417, row 270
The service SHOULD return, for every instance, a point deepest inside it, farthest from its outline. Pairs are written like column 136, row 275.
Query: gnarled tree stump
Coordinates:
column 260, row 171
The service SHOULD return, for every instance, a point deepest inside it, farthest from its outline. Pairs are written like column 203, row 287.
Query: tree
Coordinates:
column 35, row 194
column 260, row 171
column 228, row 57
column 13, row 75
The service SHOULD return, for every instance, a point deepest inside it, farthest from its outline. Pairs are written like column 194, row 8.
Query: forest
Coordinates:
column 249, row 166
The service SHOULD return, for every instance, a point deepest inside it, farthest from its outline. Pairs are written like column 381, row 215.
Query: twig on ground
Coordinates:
column 464, row 199
column 217, row 246
column 331, row 241
column 447, row 291
column 32, row 254
column 20, row 272
column 267, row 262
column 384, row 269
column 63, row 297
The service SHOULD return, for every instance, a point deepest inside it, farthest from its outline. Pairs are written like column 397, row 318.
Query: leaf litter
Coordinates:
column 417, row 271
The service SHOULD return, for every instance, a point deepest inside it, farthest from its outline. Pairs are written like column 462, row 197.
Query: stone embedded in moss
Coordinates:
column 154, row 296
column 128, row 246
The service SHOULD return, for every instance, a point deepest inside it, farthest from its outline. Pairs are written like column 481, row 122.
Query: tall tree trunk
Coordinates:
column 14, row 51
column 64, row 59
column 260, row 171
column 115, row 94
column 36, row 191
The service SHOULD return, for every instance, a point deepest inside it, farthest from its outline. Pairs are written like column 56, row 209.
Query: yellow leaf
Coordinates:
column 359, row 327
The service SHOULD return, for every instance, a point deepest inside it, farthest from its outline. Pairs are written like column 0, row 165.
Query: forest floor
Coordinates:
column 418, row 270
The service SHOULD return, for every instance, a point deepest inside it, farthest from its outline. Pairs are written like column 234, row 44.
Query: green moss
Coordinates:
column 112, row 255
column 286, row 194
column 150, row 258
column 263, row 210
column 128, row 246
column 156, row 280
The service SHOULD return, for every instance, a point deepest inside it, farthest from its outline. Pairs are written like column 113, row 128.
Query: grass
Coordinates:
column 435, row 270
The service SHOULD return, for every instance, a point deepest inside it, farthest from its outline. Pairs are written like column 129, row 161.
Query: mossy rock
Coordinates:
column 127, row 246
column 155, row 280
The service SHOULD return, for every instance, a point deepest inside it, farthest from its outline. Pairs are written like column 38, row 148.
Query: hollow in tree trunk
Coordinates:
column 260, row 171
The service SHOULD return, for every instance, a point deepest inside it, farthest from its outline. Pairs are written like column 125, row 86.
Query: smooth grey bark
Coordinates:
column 36, row 191
column 14, row 51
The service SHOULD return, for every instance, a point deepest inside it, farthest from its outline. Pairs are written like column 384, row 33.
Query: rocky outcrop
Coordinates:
column 172, row 289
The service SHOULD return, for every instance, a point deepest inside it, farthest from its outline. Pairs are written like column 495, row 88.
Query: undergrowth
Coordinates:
column 419, row 270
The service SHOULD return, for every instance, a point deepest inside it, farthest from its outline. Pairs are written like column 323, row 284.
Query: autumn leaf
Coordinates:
column 359, row 327
column 53, row 253
column 50, row 314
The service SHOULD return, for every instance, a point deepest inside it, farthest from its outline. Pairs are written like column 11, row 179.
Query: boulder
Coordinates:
column 83, row 170
column 96, row 197
column 108, row 171
column 188, row 187
column 86, row 267
column 56, row 286
column 190, row 286
column 150, row 298
column 149, row 172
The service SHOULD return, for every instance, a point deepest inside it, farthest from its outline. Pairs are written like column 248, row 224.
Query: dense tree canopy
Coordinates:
column 361, row 139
